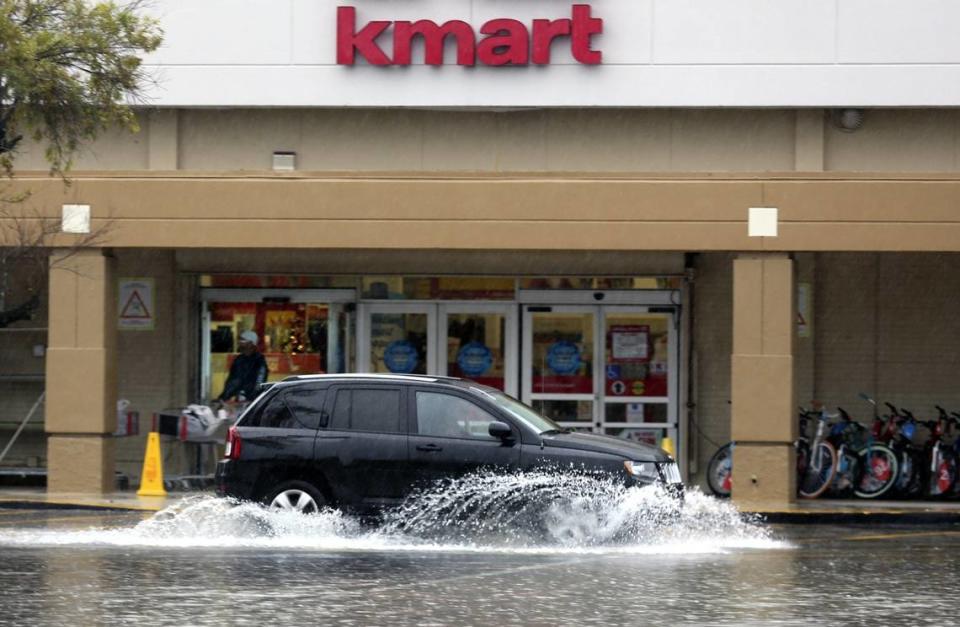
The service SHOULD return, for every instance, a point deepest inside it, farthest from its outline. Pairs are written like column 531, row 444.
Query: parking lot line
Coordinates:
column 906, row 534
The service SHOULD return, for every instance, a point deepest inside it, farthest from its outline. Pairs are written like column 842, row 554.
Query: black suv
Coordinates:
column 361, row 442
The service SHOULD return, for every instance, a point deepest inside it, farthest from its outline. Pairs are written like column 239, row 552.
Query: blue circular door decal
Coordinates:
column 474, row 359
column 401, row 357
column 563, row 357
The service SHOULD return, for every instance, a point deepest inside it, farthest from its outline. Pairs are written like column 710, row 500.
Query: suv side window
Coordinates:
column 275, row 415
column 367, row 409
column 449, row 416
column 299, row 408
column 307, row 405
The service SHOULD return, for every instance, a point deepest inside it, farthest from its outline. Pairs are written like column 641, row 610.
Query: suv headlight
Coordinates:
column 644, row 471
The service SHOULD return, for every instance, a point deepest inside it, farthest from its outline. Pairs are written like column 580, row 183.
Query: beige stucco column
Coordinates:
column 763, row 412
column 81, row 374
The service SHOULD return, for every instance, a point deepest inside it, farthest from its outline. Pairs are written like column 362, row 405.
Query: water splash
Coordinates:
column 541, row 512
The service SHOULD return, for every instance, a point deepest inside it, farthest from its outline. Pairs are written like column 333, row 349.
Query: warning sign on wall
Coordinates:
column 135, row 304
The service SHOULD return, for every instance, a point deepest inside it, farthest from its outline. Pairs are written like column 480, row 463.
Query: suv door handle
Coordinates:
column 429, row 448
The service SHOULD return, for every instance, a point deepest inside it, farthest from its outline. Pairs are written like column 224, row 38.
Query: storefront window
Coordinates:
column 566, row 412
column 438, row 288
column 562, row 359
column 277, row 281
column 600, row 283
column 636, row 412
column 636, row 354
column 398, row 343
column 294, row 338
column 653, row 437
column 476, row 345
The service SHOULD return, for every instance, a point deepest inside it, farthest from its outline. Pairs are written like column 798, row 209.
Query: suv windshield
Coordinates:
column 520, row 411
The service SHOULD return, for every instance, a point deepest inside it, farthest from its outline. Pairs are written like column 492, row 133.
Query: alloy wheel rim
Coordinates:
column 294, row 501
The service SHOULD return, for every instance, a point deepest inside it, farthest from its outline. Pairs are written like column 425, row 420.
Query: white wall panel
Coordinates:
column 895, row 31
column 314, row 32
column 744, row 31
column 223, row 32
column 656, row 53
column 566, row 86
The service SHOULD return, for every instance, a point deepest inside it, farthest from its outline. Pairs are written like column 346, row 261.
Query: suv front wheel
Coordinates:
column 296, row 496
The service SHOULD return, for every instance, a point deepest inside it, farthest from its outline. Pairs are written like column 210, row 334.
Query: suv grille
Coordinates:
column 670, row 472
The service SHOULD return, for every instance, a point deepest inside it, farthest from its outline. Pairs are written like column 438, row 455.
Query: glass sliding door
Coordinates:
column 476, row 341
column 608, row 369
column 639, row 370
column 398, row 339
column 559, row 378
column 479, row 342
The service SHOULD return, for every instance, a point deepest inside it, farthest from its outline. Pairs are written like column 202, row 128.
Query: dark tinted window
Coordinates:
column 291, row 409
column 275, row 414
column 448, row 416
column 361, row 409
column 307, row 406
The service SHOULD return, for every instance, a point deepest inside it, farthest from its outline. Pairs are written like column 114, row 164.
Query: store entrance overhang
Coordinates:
column 849, row 212
column 416, row 262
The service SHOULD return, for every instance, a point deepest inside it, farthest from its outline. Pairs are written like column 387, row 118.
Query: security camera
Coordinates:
column 848, row 120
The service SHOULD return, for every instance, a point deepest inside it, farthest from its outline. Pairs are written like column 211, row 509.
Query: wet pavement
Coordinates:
column 207, row 563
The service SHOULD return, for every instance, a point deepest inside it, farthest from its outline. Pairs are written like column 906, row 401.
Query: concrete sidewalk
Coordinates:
column 821, row 511
column 37, row 498
column 865, row 511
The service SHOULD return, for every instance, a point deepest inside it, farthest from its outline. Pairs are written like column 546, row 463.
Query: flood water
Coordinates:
column 583, row 561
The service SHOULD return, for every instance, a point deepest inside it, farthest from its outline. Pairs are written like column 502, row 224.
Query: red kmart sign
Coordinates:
column 501, row 41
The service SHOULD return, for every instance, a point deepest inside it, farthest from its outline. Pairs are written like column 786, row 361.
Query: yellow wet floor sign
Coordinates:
column 667, row 444
column 151, row 480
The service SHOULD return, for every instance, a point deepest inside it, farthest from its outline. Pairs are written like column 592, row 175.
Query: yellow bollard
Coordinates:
column 151, row 480
column 667, row 444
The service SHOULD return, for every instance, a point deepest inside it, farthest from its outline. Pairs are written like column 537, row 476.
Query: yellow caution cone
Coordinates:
column 151, row 480
column 666, row 444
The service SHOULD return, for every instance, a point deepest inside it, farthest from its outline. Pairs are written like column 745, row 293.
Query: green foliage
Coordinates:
column 68, row 70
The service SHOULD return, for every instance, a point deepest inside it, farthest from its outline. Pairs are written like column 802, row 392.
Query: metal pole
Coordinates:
column 23, row 424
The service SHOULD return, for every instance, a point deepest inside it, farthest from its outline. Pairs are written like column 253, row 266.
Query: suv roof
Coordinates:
column 370, row 375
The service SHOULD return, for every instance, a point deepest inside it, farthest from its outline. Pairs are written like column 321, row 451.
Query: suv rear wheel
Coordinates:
column 296, row 496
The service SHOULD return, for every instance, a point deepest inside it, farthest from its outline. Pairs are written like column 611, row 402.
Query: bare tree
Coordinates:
column 69, row 70
column 27, row 238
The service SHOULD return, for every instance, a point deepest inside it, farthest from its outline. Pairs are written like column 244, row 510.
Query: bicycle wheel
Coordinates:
column 879, row 471
column 720, row 471
column 821, row 468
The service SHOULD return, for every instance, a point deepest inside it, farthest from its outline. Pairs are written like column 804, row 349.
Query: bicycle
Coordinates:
column 909, row 482
column 941, row 465
column 848, row 462
column 820, row 472
column 878, row 462
column 814, row 472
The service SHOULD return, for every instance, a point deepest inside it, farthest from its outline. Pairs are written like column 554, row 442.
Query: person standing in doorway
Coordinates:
column 247, row 372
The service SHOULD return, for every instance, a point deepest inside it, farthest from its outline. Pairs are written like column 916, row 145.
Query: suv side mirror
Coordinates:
column 500, row 430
